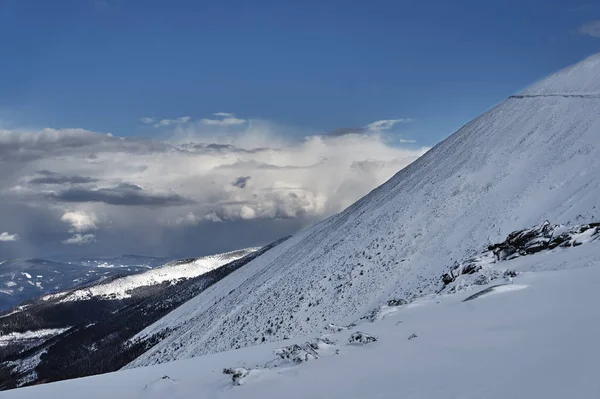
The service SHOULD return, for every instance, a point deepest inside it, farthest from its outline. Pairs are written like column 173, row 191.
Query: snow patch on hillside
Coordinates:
column 12, row 337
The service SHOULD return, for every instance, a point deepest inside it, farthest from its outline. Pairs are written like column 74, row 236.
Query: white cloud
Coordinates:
column 385, row 124
column 171, row 122
column 5, row 237
column 223, row 119
column 147, row 120
column 407, row 141
column 80, row 239
column 138, row 188
column 80, row 221
column 591, row 29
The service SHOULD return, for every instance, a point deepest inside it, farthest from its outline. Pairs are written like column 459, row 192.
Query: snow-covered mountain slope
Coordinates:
column 24, row 279
column 527, row 160
column 533, row 337
column 171, row 272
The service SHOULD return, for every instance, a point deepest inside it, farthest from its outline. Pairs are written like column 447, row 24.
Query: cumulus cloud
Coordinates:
column 80, row 221
column 80, row 239
column 216, row 185
column 5, row 237
column 223, row 119
column 147, row 120
column 591, row 29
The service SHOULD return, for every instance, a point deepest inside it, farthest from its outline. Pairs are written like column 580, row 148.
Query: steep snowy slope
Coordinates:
column 526, row 160
column 530, row 338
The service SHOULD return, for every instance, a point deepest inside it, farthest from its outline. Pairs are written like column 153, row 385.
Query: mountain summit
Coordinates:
column 579, row 79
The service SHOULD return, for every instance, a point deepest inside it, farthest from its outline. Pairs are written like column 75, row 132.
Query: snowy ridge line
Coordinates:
column 174, row 271
column 566, row 95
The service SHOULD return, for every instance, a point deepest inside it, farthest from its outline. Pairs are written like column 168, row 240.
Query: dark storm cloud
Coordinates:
column 28, row 146
column 241, row 181
column 123, row 194
column 56, row 178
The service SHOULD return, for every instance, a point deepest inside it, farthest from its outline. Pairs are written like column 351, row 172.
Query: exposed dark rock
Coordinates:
column 520, row 243
column 397, row 302
column 237, row 374
column 447, row 278
column 298, row 353
column 361, row 338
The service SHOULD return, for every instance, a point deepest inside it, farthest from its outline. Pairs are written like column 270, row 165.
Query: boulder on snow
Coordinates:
column 237, row 374
column 361, row 338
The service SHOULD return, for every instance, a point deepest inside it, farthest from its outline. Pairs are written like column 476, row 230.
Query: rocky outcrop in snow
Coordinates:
column 521, row 243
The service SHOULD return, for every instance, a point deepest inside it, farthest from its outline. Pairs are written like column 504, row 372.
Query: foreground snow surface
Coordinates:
column 535, row 337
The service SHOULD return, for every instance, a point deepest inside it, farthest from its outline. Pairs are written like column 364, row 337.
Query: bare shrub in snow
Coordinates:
column 298, row 353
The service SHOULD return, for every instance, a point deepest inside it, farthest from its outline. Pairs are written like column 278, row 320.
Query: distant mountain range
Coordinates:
column 24, row 279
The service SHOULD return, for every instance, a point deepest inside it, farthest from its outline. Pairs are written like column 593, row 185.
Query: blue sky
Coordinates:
column 317, row 65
